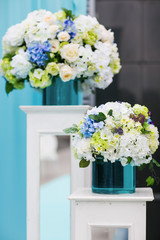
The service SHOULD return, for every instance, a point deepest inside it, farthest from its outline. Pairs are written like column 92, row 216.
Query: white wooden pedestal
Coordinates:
column 48, row 120
column 110, row 211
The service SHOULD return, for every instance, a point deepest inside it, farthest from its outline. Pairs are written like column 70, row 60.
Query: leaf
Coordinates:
column 140, row 168
column 98, row 118
column 129, row 160
column 156, row 163
column 145, row 124
column 71, row 129
column 110, row 113
column 9, row 55
column 151, row 165
column 69, row 13
column 84, row 163
column 144, row 131
column 9, row 87
column 150, row 181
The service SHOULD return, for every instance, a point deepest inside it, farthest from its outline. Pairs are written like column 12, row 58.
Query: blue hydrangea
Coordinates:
column 38, row 53
column 89, row 126
column 68, row 26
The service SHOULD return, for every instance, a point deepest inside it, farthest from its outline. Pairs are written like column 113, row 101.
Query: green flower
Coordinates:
column 98, row 143
column 115, row 65
column 91, row 66
column 89, row 38
column 61, row 15
column 10, row 77
column 52, row 68
column 6, row 65
column 39, row 78
column 62, row 44
column 137, row 109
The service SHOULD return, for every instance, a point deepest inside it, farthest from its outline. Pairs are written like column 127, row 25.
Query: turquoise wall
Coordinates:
column 13, row 124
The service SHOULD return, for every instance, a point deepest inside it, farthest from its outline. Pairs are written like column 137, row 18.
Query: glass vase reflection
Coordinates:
column 112, row 178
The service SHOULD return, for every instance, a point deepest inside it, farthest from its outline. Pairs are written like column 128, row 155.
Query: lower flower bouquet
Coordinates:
column 116, row 138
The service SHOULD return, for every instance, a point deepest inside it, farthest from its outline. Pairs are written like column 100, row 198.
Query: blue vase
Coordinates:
column 63, row 93
column 112, row 178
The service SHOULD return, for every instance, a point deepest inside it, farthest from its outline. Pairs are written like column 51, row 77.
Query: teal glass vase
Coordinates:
column 113, row 178
column 63, row 93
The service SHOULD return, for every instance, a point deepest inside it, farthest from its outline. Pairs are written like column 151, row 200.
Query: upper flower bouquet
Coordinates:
column 45, row 46
column 116, row 131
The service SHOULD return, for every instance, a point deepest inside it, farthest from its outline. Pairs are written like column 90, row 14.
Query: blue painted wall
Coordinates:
column 13, row 124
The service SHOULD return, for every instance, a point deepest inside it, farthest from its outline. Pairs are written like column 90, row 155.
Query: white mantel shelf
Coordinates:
column 51, row 109
column 86, row 195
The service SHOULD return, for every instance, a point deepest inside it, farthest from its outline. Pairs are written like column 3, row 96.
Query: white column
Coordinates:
column 107, row 212
column 48, row 120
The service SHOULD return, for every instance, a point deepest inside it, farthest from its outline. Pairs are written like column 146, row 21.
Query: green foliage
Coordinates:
column 71, row 130
column 9, row 87
column 151, row 166
column 140, row 168
column 9, row 55
column 150, row 181
column 144, row 131
column 129, row 160
column 84, row 163
column 110, row 113
column 69, row 13
column 98, row 118
column 156, row 163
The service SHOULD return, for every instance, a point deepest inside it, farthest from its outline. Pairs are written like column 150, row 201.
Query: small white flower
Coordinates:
column 63, row 36
column 38, row 73
column 107, row 35
column 55, row 45
column 53, row 30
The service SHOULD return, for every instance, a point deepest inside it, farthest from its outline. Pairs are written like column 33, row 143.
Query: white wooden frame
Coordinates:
column 48, row 120
column 105, row 225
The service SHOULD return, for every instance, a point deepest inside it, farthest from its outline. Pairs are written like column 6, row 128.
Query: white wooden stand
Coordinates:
column 109, row 212
column 48, row 120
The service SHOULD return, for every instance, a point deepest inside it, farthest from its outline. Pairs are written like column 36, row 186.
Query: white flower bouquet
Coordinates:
column 45, row 46
column 116, row 131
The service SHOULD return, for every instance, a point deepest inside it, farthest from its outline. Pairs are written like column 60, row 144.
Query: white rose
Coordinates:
column 63, row 36
column 50, row 18
column 55, row 45
column 70, row 52
column 53, row 29
column 107, row 35
column 66, row 73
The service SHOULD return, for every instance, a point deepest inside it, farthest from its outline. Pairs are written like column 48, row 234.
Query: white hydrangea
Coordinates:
column 86, row 23
column 21, row 65
column 13, row 38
